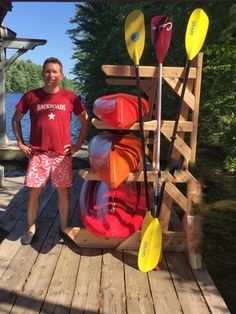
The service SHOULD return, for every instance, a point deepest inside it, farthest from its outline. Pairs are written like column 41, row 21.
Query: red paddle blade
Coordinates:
column 161, row 31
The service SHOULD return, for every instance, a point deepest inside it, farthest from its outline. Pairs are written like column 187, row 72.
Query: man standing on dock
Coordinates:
column 50, row 149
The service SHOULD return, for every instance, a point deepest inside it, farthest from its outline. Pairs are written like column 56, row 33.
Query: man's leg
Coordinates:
column 32, row 211
column 33, row 206
column 36, row 178
column 64, row 207
column 61, row 176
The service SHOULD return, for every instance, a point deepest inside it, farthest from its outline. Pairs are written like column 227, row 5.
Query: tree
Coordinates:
column 26, row 75
column 218, row 118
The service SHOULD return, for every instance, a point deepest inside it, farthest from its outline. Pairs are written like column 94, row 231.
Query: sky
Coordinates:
column 48, row 21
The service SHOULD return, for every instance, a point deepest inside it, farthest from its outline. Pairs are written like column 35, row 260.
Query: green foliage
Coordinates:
column 70, row 84
column 23, row 76
column 218, row 112
column 26, row 75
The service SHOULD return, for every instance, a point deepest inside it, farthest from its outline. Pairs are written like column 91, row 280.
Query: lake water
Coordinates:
column 11, row 101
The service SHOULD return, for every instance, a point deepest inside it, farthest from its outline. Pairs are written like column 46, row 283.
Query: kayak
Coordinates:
column 114, row 156
column 119, row 110
column 115, row 213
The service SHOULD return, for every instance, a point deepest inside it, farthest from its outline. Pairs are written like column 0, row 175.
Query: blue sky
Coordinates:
column 48, row 21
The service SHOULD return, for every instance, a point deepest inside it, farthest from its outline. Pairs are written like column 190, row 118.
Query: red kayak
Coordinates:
column 113, row 157
column 119, row 110
column 113, row 213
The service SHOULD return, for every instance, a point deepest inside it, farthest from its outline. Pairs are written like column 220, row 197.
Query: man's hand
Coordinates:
column 26, row 150
column 70, row 149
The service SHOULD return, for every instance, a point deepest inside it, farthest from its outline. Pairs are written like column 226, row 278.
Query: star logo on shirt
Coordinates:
column 51, row 116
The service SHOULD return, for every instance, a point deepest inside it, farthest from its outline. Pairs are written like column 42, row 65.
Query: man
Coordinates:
column 50, row 149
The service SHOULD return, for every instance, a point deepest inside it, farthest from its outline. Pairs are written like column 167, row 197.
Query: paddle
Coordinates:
column 150, row 247
column 135, row 40
column 161, row 31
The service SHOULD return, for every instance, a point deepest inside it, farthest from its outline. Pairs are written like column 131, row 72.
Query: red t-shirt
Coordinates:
column 50, row 116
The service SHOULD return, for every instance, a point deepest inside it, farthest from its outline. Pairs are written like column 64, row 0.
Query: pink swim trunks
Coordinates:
column 43, row 164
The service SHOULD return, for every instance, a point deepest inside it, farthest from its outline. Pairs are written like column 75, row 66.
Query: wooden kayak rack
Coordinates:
column 181, row 226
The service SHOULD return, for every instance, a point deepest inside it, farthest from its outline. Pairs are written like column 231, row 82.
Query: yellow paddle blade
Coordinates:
column 135, row 35
column 196, row 32
column 151, row 246
column 146, row 222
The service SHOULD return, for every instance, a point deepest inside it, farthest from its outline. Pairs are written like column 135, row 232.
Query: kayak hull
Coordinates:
column 119, row 110
column 115, row 213
column 113, row 156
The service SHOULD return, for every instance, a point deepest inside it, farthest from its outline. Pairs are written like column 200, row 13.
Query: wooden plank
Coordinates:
column 164, row 216
column 146, row 71
column 185, row 114
column 193, row 228
column 17, row 264
column 12, row 185
column 163, row 292
column 86, row 297
column 10, row 194
column 74, row 216
column 112, row 283
column 128, row 82
column 177, row 86
column 12, row 243
column 9, row 221
column 61, row 289
column 44, row 268
column 184, row 176
column 89, row 174
column 183, row 126
column 85, row 239
column 8, row 249
column 13, row 279
column 139, row 298
column 35, row 289
column 19, row 255
column 190, row 298
column 176, row 195
column 212, row 296
column 172, row 241
column 11, row 217
column 136, row 176
column 38, row 281
column 47, row 213
column 179, row 144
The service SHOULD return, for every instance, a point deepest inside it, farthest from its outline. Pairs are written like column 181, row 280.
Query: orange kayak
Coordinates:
column 119, row 110
column 114, row 156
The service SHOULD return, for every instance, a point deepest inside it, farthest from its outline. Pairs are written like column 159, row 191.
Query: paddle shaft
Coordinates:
column 158, row 149
column 161, row 31
column 142, row 135
column 173, row 137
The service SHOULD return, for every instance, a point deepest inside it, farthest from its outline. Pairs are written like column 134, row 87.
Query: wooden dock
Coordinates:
column 54, row 275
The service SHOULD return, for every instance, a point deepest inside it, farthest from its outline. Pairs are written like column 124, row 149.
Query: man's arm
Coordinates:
column 85, row 122
column 16, row 126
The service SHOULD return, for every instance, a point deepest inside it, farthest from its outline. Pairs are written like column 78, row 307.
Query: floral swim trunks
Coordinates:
column 42, row 165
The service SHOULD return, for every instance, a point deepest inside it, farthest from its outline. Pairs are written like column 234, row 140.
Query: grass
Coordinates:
column 219, row 222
